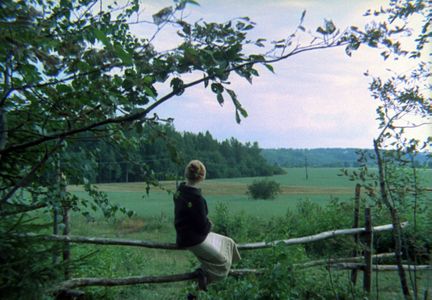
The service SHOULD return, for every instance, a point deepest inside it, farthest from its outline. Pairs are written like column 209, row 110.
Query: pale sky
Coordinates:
column 315, row 99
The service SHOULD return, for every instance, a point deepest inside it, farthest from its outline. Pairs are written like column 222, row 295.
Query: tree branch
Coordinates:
column 144, row 112
column 23, row 182
column 19, row 209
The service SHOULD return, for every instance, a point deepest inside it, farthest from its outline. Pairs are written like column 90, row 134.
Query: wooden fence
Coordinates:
column 363, row 263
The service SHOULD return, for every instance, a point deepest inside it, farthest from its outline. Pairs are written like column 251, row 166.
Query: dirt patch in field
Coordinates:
column 130, row 225
column 316, row 190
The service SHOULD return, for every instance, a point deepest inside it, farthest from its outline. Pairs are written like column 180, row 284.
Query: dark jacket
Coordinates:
column 190, row 212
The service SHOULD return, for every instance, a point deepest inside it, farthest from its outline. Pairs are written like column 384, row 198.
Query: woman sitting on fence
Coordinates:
column 215, row 252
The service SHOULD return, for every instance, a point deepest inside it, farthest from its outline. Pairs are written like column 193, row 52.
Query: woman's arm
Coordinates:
column 200, row 219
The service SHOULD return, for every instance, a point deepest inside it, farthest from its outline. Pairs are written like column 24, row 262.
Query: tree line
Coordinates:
column 330, row 158
column 161, row 153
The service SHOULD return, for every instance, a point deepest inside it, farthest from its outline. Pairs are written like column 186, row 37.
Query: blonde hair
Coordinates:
column 195, row 171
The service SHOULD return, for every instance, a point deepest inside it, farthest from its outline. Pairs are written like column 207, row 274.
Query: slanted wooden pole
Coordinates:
column 66, row 246
column 356, row 225
column 55, row 232
column 65, row 207
column 56, row 209
column 367, row 274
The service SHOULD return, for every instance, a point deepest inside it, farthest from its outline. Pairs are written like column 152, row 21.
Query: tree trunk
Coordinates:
column 66, row 246
column 356, row 225
column 3, row 129
column 397, row 236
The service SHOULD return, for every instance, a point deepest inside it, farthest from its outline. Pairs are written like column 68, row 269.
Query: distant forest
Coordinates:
column 326, row 157
column 163, row 153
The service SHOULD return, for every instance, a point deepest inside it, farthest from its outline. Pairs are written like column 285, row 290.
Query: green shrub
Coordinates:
column 264, row 189
column 236, row 225
column 281, row 279
column 27, row 270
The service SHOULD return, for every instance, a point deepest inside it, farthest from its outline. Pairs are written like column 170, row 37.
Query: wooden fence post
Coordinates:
column 356, row 225
column 367, row 274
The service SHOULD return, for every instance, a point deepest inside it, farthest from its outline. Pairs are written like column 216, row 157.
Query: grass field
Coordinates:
column 322, row 185
column 153, row 221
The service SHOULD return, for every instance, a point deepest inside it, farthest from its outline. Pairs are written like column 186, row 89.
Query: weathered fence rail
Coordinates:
column 82, row 282
column 363, row 263
column 172, row 246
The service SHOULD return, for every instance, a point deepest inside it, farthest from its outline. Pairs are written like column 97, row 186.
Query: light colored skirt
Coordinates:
column 216, row 254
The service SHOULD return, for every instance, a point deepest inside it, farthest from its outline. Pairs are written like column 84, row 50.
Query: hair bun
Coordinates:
column 195, row 171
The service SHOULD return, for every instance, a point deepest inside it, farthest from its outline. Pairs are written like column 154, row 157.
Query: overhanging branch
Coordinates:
column 24, row 181
column 143, row 113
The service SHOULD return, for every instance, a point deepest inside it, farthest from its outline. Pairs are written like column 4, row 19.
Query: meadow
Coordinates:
column 322, row 184
column 153, row 221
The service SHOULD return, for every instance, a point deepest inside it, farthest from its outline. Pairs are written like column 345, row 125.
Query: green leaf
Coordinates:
column 238, row 120
column 220, row 99
column 163, row 15
column 234, row 98
column 63, row 88
column 177, row 86
column 125, row 56
column 330, row 27
column 269, row 67
column 320, row 30
column 182, row 3
column 101, row 36
column 206, row 81
column 302, row 16
column 150, row 92
column 243, row 112
column 148, row 79
column 217, row 88
column 259, row 42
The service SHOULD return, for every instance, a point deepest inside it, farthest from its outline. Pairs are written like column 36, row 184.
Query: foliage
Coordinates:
column 26, row 264
column 264, row 189
column 237, row 226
